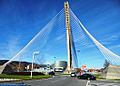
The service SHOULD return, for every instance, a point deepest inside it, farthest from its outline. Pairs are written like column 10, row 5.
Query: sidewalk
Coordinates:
column 7, row 80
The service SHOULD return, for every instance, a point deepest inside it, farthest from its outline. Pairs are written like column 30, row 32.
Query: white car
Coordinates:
column 73, row 74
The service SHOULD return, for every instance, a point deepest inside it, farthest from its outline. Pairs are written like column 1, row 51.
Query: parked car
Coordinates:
column 51, row 73
column 86, row 77
column 73, row 74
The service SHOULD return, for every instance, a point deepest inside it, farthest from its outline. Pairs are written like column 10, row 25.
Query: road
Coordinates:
column 57, row 81
column 104, row 83
column 67, row 81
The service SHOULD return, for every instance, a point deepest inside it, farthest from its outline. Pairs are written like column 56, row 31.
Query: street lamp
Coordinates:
column 54, row 59
column 33, row 57
column 54, row 63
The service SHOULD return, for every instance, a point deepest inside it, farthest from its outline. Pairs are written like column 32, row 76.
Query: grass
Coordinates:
column 116, row 79
column 23, row 77
column 98, row 76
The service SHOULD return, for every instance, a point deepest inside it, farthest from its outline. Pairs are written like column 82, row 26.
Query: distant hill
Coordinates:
column 16, row 66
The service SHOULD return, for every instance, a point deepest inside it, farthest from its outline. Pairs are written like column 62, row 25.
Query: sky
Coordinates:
column 21, row 20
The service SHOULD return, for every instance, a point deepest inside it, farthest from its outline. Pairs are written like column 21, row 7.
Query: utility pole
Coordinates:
column 69, row 37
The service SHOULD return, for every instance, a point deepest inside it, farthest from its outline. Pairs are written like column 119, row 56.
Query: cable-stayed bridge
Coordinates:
column 51, row 41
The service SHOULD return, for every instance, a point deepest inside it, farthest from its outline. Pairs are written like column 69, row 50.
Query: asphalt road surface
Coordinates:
column 66, row 81
column 57, row 81
column 104, row 83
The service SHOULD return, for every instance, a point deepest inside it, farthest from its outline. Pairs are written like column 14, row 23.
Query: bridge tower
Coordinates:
column 69, row 37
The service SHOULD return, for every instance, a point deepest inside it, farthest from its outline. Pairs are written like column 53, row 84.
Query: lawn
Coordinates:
column 23, row 77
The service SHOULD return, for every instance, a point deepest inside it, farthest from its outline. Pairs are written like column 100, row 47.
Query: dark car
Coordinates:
column 86, row 77
column 51, row 73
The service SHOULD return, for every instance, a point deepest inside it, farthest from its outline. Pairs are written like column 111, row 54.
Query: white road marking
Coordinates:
column 105, row 84
column 88, row 83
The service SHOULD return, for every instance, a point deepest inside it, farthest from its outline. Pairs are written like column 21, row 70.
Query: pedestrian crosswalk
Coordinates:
column 104, row 84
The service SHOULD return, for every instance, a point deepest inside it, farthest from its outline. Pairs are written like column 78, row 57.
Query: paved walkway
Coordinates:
column 5, row 79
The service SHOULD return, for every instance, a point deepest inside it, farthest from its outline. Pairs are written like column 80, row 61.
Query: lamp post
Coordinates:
column 33, row 57
column 54, row 63
column 54, row 59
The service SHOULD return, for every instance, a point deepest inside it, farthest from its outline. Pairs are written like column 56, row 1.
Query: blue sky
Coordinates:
column 21, row 20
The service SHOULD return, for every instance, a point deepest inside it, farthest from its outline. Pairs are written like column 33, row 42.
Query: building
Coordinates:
column 60, row 66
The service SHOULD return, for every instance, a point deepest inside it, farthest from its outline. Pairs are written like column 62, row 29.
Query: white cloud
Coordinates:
column 115, row 47
column 13, row 46
column 60, row 37
column 110, row 38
